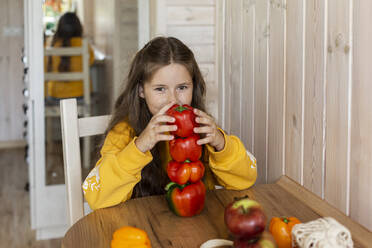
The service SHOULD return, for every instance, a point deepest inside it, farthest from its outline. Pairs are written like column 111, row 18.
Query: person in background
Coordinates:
column 136, row 150
column 69, row 33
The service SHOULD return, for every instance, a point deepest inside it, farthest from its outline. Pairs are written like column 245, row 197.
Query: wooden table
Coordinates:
column 167, row 230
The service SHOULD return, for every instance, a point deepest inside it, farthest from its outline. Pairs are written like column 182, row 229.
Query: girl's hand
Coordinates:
column 208, row 128
column 154, row 132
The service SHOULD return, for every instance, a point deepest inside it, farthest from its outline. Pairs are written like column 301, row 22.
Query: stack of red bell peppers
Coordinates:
column 186, row 192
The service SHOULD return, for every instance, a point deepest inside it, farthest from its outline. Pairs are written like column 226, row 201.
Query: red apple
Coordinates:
column 265, row 241
column 245, row 219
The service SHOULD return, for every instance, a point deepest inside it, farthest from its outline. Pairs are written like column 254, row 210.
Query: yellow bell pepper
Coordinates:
column 130, row 237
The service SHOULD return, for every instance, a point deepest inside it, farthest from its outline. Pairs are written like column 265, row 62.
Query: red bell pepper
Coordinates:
column 186, row 200
column 184, row 119
column 187, row 171
column 182, row 149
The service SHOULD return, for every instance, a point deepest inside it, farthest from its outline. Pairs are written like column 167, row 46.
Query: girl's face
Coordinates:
column 170, row 83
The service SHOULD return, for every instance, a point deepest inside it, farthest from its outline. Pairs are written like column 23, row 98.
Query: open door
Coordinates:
column 48, row 201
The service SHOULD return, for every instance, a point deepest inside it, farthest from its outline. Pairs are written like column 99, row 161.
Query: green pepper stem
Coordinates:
column 180, row 108
column 169, row 185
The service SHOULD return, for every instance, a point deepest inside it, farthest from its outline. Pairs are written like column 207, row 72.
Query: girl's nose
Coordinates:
column 173, row 97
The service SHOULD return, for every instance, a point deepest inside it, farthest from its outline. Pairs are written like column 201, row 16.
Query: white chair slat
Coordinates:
column 71, row 159
column 72, row 129
column 89, row 126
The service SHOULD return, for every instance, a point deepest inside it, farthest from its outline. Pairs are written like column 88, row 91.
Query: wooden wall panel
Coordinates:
column 208, row 72
column 275, row 165
column 190, row 2
column 227, row 66
column 310, row 105
column 337, row 95
column 361, row 117
column 194, row 23
column 236, row 71
column 246, row 76
column 204, row 53
column 190, row 15
column 314, row 130
column 248, row 51
column 260, row 89
column 219, row 65
column 294, row 90
column 193, row 34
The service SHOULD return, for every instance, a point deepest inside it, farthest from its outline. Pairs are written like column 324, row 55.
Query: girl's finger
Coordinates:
column 164, row 137
column 165, row 108
column 204, row 141
column 204, row 120
column 165, row 128
column 162, row 118
column 200, row 113
column 204, row 129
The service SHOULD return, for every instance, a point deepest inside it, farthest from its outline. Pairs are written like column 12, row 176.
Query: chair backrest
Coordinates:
column 72, row 76
column 74, row 128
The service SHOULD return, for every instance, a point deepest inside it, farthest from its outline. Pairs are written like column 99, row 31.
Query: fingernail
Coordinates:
column 175, row 127
column 173, row 119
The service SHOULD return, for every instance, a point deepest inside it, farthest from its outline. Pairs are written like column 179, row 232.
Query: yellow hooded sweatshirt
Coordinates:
column 119, row 168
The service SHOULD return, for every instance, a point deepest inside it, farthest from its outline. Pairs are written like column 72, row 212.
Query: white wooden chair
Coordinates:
column 84, row 109
column 74, row 128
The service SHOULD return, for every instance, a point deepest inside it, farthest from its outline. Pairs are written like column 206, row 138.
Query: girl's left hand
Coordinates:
column 208, row 130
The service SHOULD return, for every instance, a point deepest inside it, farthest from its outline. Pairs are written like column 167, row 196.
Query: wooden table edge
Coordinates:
column 321, row 207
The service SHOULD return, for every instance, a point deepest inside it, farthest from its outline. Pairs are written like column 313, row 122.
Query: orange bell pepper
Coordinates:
column 130, row 237
column 281, row 229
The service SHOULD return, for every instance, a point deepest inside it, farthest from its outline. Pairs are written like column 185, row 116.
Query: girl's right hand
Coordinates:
column 154, row 132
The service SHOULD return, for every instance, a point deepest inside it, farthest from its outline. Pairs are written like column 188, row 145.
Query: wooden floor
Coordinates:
column 15, row 230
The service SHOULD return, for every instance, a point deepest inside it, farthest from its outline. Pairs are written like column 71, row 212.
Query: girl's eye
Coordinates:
column 183, row 87
column 161, row 89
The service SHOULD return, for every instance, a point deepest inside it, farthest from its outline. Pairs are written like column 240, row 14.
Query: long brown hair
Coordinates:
column 69, row 26
column 159, row 52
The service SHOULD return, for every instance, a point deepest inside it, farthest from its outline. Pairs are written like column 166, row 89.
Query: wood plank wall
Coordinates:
column 361, row 115
column 297, row 91
column 193, row 22
column 254, row 80
column 11, row 71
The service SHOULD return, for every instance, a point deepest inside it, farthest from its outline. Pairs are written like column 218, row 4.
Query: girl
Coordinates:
column 135, row 152
column 69, row 34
